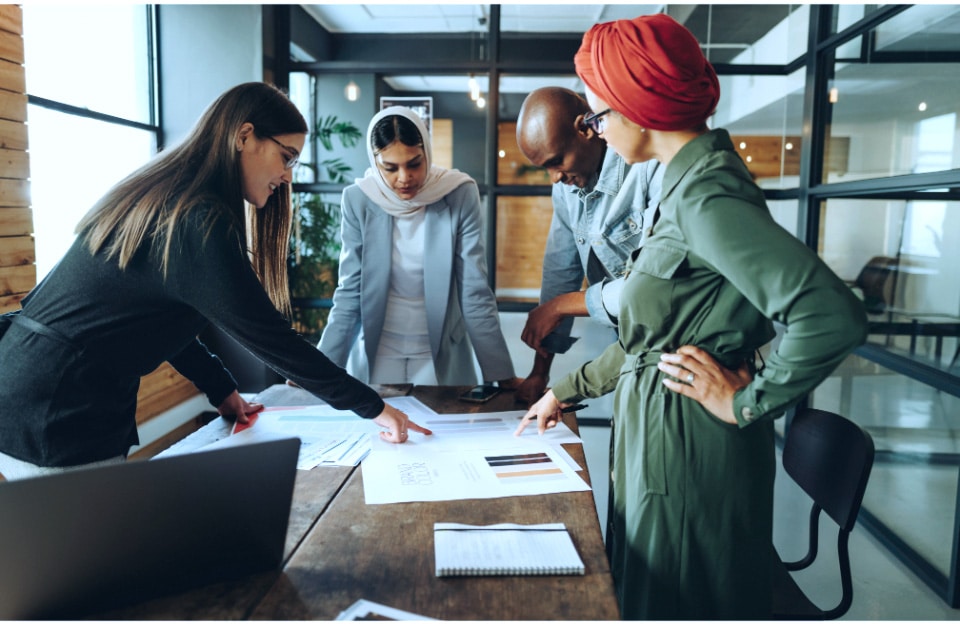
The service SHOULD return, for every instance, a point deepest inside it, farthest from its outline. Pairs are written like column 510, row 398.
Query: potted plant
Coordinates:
column 315, row 242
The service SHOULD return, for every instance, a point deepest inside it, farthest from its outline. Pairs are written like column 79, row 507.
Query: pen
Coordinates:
column 573, row 408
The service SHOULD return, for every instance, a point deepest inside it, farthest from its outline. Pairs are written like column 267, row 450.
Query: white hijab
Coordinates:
column 438, row 183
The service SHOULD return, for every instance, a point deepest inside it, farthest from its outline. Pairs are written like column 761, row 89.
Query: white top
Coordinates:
column 405, row 320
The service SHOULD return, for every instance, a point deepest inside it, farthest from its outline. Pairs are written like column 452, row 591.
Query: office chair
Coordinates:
column 876, row 282
column 830, row 458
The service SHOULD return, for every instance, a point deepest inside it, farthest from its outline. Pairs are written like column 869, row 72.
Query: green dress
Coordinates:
column 691, row 528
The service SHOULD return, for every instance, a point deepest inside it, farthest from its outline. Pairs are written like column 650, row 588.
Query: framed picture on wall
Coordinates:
column 422, row 106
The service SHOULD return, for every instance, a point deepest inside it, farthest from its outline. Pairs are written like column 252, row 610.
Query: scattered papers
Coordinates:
column 329, row 437
column 469, row 456
column 209, row 434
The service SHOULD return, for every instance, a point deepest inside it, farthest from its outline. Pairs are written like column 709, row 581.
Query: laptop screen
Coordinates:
column 94, row 539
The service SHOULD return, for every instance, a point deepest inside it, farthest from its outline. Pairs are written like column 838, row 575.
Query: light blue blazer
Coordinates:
column 459, row 301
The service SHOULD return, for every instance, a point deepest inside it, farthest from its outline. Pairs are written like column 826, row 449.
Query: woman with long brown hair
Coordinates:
column 199, row 235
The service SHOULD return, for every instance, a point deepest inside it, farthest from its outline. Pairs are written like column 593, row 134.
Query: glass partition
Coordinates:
column 903, row 259
column 892, row 110
column 751, row 34
column 848, row 14
column 786, row 213
column 916, row 431
column 764, row 116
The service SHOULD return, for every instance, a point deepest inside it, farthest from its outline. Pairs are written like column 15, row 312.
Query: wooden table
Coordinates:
column 340, row 550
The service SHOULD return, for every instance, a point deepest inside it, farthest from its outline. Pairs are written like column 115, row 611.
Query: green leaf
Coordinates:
column 337, row 170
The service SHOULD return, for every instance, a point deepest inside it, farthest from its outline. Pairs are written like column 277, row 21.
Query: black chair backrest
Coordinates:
column 876, row 282
column 830, row 458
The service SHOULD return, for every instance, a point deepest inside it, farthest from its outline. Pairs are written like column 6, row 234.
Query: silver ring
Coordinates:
column 691, row 378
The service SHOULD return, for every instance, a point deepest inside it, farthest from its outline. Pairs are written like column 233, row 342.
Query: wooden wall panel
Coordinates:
column 15, row 222
column 15, row 164
column 441, row 142
column 14, row 193
column 512, row 166
column 161, row 390
column 13, row 135
column 17, row 279
column 11, row 18
column 18, row 251
column 11, row 46
column 13, row 106
column 522, row 227
column 18, row 272
column 12, row 76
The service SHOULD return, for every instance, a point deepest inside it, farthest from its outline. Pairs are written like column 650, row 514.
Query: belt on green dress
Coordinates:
column 649, row 430
column 635, row 363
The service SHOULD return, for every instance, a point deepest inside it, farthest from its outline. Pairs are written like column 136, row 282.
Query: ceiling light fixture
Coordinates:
column 474, row 88
column 352, row 91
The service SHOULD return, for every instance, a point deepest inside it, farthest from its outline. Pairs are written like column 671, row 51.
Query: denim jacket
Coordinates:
column 609, row 217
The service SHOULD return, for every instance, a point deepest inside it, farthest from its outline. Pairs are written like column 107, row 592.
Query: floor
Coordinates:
column 915, row 498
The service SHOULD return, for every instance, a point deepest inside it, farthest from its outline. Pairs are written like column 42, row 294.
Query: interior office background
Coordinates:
column 845, row 113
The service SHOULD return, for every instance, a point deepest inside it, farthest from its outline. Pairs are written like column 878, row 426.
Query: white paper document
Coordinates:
column 329, row 437
column 413, row 407
column 364, row 610
column 209, row 434
column 426, row 470
column 468, row 429
column 493, row 428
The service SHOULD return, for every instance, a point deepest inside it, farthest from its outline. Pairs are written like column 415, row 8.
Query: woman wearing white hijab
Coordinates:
column 413, row 282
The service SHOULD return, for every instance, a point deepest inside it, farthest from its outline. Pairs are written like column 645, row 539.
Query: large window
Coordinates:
column 91, row 118
column 892, row 112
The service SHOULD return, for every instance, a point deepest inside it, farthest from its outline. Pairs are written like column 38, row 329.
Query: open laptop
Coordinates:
column 95, row 539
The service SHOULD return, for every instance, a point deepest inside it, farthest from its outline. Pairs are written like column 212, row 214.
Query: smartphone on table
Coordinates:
column 481, row 393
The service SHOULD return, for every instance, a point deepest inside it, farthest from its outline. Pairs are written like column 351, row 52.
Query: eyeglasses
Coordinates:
column 294, row 160
column 595, row 121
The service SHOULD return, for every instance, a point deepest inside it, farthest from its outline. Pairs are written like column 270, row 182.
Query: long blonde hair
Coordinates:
column 204, row 169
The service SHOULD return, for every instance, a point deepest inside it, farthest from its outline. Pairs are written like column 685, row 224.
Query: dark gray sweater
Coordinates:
column 70, row 363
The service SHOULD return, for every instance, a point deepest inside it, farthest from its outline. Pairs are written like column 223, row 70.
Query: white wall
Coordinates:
column 204, row 50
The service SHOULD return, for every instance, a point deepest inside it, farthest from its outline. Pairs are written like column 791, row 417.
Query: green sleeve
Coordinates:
column 728, row 226
column 593, row 379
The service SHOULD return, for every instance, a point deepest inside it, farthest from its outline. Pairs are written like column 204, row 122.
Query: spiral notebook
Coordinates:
column 505, row 549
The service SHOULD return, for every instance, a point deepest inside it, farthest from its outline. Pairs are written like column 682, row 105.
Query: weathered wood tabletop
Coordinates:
column 341, row 550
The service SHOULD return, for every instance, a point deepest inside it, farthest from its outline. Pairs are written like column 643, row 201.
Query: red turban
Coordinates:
column 651, row 70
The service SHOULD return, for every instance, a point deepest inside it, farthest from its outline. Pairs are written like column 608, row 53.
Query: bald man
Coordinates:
column 602, row 208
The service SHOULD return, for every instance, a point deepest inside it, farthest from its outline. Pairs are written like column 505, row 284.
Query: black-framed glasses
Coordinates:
column 294, row 160
column 595, row 121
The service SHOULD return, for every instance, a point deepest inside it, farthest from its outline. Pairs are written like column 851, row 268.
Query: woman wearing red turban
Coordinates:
column 693, row 459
